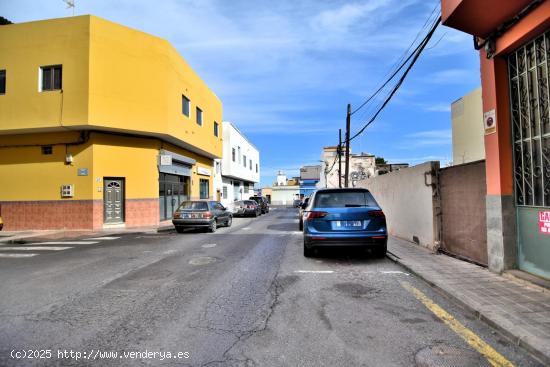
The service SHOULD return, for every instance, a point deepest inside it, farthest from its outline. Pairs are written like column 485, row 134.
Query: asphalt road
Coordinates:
column 243, row 296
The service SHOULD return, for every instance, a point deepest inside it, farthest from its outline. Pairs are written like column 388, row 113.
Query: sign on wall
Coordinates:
column 544, row 222
column 490, row 122
column 203, row 171
column 165, row 160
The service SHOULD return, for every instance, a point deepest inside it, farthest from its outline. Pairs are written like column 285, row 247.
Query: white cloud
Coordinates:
column 452, row 76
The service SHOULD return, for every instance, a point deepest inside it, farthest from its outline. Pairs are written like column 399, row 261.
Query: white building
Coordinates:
column 238, row 170
column 362, row 166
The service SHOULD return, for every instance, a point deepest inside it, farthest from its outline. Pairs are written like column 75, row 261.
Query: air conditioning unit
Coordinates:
column 67, row 191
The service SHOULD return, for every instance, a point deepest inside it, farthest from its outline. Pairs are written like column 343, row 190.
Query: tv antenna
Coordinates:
column 70, row 4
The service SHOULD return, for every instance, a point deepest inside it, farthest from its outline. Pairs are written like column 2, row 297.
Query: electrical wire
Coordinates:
column 399, row 61
column 417, row 54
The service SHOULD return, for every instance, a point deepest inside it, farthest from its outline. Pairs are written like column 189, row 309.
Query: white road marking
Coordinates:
column 245, row 228
column 34, row 248
column 315, row 271
column 394, row 272
column 102, row 238
column 208, row 245
column 63, row 243
column 297, row 232
column 17, row 255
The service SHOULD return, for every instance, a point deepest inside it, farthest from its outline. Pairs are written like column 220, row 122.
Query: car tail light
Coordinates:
column 207, row 215
column 377, row 214
column 313, row 215
column 177, row 215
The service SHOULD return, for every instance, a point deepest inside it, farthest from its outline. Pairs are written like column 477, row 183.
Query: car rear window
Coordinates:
column 194, row 205
column 342, row 199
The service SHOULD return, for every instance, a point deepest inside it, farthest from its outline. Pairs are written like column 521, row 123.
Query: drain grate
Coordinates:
column 442, row 355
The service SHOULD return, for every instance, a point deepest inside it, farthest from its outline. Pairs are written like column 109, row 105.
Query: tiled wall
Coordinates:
column 74, row 214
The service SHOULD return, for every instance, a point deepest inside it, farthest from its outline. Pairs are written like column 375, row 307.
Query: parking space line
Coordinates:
column 17, row 255
column 315, row 271
column 493, row 357
column 34, row 248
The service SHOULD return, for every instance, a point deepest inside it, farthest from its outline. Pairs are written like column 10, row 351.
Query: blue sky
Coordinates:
column 285, row 70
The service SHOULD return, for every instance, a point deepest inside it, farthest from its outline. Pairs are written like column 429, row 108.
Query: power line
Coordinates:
column 400, row 60
column 418, row 52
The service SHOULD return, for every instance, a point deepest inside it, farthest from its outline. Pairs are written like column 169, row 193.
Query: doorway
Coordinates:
column 113, row 200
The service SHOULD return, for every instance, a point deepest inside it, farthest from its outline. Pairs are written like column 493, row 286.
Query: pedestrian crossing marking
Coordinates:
column 64, row 243
column 16, row 255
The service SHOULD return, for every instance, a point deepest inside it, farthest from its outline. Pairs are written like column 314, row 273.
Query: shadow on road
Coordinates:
column 346, row 256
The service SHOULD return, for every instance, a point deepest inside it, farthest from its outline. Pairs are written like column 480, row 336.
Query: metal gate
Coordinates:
column 463, row 215
column 113, row 200
column 528, row 73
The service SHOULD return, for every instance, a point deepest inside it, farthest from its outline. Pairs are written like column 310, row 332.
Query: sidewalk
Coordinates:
column 63, row 234
column 519, row 310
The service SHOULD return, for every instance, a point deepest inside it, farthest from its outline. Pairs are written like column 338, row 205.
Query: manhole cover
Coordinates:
column 203, row 260
column 442, row 355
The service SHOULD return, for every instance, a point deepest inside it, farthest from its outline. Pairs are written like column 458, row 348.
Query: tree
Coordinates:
column 380, row 160
column 4, row 21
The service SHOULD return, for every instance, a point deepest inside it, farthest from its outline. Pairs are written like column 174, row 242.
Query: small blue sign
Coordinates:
column 83, row 172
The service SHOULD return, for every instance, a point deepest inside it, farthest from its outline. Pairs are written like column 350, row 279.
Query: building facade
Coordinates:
column 513, row 39
column 361, row 167
column 100, row 125
column 239, row 169
column 467, row 128
column 309, row 179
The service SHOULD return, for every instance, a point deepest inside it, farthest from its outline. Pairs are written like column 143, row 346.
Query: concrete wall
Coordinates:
column 407, row 198
column 284, row 195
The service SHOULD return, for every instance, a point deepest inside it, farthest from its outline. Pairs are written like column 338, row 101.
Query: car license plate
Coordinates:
column 348, row 223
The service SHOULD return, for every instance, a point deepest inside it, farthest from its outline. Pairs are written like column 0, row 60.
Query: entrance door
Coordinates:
column 113, row 196
column 529, row 95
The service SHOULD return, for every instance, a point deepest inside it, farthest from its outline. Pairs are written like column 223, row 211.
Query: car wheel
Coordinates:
column 308, row 251
column 229, row 221
column 213, row 226
column 179, row 229
column 380, row 252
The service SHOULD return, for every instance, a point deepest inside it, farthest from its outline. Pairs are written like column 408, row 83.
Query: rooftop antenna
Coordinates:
column 70, row 4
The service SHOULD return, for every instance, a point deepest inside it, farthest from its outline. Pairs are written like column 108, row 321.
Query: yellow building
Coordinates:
column 100, row 125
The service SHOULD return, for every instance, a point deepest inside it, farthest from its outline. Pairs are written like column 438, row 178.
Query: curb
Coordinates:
column 516, row 339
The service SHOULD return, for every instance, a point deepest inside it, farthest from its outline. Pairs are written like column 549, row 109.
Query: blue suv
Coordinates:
column 344, row 217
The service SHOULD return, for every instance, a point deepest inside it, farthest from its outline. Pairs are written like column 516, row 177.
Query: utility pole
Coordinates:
column 348, row 126
column 339, row 152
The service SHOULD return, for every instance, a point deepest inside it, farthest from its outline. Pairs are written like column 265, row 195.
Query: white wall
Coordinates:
column 284, row 195
column 233, row 138
column 408, row 202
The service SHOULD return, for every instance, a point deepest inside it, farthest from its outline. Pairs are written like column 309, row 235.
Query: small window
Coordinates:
column 2, row 81
column 47, row 149
column 199, row 116
column 239, row 149
column 215, row 128
column 225, row 192
column 256, row 167
column 51, row 77
column 250, row 164
column 185, row 105
column 233, row 154
column 244, row 161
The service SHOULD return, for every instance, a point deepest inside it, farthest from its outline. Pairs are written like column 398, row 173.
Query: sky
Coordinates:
column 285, row 70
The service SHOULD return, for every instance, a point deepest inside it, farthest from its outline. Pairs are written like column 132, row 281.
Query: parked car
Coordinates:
column 344, row 217
column 262, row 202
column 303, row 206
column 201, row 214
column 246, row 208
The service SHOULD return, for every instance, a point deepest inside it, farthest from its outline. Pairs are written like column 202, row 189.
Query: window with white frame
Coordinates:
column 199, row 116
column 51, row 77
column 185, row 105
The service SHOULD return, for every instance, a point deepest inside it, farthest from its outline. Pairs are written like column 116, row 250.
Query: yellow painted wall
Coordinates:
column 27, row 175
column 114, row 78
column 23, row 49
column 135, row 159
column 136, row 84
column 468, row 131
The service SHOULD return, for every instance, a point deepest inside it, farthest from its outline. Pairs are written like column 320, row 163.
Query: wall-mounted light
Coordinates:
column 69, row 158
